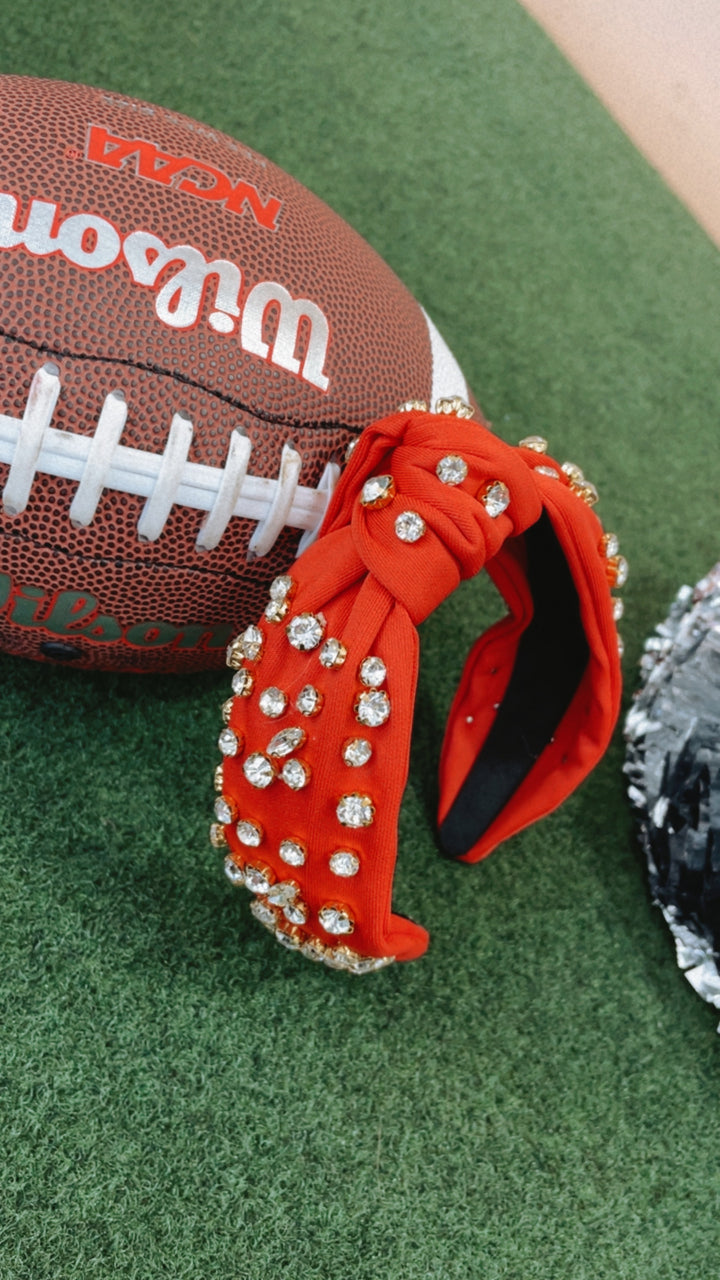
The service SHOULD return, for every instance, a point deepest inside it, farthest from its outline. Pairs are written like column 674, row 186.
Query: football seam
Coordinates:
column 328, row 424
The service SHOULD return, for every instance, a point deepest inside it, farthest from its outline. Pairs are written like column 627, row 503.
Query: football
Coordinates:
column 189, row 342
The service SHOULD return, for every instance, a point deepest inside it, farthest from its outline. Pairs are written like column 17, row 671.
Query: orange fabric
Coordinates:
column 372, row 591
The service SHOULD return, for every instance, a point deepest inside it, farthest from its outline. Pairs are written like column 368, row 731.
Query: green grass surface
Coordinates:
column 537, row 1097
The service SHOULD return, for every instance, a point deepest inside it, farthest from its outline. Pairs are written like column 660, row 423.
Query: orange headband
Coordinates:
column 317, row 735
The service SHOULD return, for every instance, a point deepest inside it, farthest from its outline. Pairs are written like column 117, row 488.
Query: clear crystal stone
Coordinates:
column 218, row 778
column 350, row 449
column 355, row 810
column 292, row 852
column 305, row 632
column 618, row 609
column 242, row 683
column 338, row 958
column 249, row 833
column 225, row 810
column 370, row 964
column 372, row 708
column 552, row 472
column 252, row 642
column 455, row 405
column 258, row 879
column 409, row 526
column 258, row 770
column 495, row 498
column 272, row 702
column 617, row 571
column 296, row 912
column 309, row 700
column 226, row 710
column 610, row 545
column 235, row 654
column 356, row 752
column 372, row 672
column 295, row 774
column 218, row 839
column 538, row 444
column 333, row 653
column 336, row 920
column 573, row 471
column 282, row 894
column 313, row 950
column 276, row 610
column 264, row 914
column 290, row 940
column 344, row 863
column 281, row 587
column 408, row 406
column 452, row 469
column 585, row 490
column 229, row 743
column 377, row 491
column 286, row 741
column 234, row 871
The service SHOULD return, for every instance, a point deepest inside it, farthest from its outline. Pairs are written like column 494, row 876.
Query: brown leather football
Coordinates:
column 189, row 340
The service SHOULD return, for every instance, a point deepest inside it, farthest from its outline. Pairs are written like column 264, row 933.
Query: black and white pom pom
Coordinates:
column 673, row 771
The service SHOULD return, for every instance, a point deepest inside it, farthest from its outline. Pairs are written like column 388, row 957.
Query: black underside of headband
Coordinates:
column 552, row 656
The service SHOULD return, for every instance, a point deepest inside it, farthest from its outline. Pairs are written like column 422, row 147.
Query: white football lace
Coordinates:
column 30, row 444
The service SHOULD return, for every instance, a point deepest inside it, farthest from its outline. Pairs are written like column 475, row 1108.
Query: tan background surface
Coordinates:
column 656, row 66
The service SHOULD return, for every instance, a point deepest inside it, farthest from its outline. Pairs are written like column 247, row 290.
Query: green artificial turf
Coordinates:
column 536, row 1098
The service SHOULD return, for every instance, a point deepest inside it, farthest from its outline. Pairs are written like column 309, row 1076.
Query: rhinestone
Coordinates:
column 289, row 938
column 356, row 751
column 234, row 871
column 226, row 710
column 218, row 839
column 372, row 672
column 409, row 526
column 538, row 444
column 235, row 654
column 286, row 741
column 370, row 964
column 296, row 912
column 292, row 852
column 586, row 491
column 372, row 708
column 617, row 571
column 344, row 863
column 337, row 920
column 276, row 610
column 252, row 643
column 452, row 469
column 225, row 810
column 408, row 406
column 283, row 894
column 355, row 810
column 218, row 778
column 258, row 770
column 313, row 950
column 272, row 702
column 618, row 609
column 249, row 833
column 621, row 646
column 350, row 449
column 264, row 914
column 454, row 404
column 229, row 743
column 336, row 958
column 573, row 472
column 281, row 588
column 305, row 631
column 295, row 774
column 495, row 498
column 552, row 472
column 309, row 701
column 258, row 879
column 242, row 683
column 609, row 545
column 333, row 653
column 378, row 491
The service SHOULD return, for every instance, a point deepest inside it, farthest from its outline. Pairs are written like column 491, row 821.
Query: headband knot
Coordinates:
column 317, row 735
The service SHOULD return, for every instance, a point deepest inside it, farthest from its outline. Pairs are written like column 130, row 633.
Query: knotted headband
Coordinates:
column 317, row 735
